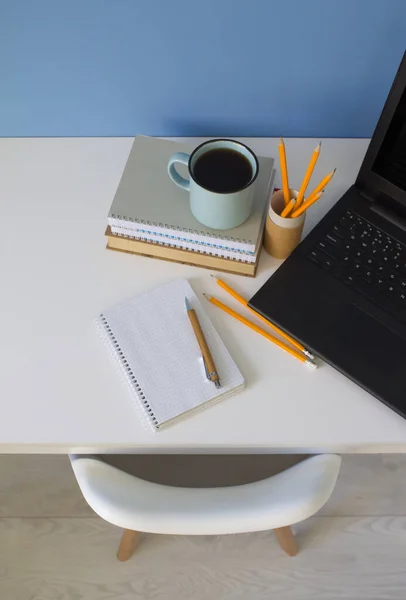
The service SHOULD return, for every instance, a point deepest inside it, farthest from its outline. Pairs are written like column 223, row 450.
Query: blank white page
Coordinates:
column 152, row 338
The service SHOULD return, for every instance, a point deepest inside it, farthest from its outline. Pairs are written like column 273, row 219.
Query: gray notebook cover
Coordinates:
column 147, row 196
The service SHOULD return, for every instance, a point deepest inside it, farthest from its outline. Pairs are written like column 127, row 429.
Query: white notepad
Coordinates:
column 151, row 339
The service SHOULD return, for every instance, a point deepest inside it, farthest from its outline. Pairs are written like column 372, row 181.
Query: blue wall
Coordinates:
column 190, row 67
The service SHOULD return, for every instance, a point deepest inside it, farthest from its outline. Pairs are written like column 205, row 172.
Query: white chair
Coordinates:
column 274, row 503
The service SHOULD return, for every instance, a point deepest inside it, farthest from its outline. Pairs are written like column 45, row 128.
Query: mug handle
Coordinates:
column 183, row 158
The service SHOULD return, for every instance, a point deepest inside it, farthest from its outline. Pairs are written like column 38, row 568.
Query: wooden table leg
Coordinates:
column 286, row 540
column 128, row 544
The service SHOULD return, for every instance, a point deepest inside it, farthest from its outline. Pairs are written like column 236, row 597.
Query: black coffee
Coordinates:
column 222, row 170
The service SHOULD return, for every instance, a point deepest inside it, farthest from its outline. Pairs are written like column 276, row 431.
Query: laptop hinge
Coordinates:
column 367, row 194
column 385, row 207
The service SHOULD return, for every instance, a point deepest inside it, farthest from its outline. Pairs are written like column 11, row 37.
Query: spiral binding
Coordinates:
column 205, row 251
column 214, row 235
column 121, row 360
column 143, row 233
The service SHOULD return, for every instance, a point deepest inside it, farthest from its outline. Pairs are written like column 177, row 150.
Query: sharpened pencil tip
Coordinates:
column 188, row 305
column 214, row 277
column 206, row 296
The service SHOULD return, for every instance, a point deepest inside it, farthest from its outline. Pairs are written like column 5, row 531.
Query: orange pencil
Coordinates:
column 308, row 175
column 244, row 302
column 262, row 332
column 322, row 184
column 306, row 205
column 288, row 208
column 284, row 171
column 312, row 195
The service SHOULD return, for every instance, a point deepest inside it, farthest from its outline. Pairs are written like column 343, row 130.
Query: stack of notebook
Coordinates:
column 150, row 215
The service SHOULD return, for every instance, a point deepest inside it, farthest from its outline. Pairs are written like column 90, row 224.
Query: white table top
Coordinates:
column 58, row 390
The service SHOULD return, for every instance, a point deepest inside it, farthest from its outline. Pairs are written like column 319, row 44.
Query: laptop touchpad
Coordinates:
column 367, row 343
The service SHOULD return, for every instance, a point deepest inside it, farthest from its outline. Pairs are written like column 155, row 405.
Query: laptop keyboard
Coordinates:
column 367, row 259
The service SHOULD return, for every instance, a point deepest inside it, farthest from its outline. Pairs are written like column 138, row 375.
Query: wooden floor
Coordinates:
column 52, row 547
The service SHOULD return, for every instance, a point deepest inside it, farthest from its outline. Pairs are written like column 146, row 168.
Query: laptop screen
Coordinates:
column 390, row 162
column 383, row 172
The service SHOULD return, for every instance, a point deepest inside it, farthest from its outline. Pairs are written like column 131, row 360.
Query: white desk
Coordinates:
column 58, row 390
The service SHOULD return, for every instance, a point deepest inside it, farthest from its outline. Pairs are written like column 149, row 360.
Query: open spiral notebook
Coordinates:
column 151, row 339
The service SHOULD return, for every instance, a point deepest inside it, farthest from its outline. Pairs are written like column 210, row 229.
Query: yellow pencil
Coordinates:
column 308, row 175
column 262, row 332
column 322, row 184
column 288, row 208
column 244, row 302
column 312, row 195
column 284, row 171
column 306, row 205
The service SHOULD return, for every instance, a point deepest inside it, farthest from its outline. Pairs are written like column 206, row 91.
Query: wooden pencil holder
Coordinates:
column 282, row 234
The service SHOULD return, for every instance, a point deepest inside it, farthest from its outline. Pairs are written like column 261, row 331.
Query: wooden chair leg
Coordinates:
column 286, row 540
column 128, row 544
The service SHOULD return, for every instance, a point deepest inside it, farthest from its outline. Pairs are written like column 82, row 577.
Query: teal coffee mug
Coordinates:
column 221, row 184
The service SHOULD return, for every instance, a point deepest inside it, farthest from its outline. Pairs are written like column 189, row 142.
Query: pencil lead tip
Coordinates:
column 319, row 144
column 211, row 275
column 187, row 303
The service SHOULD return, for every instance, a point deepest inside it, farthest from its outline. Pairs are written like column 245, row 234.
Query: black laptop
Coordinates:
column 342, row 292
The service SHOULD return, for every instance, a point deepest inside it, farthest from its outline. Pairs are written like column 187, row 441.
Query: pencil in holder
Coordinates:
column 282, row 234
